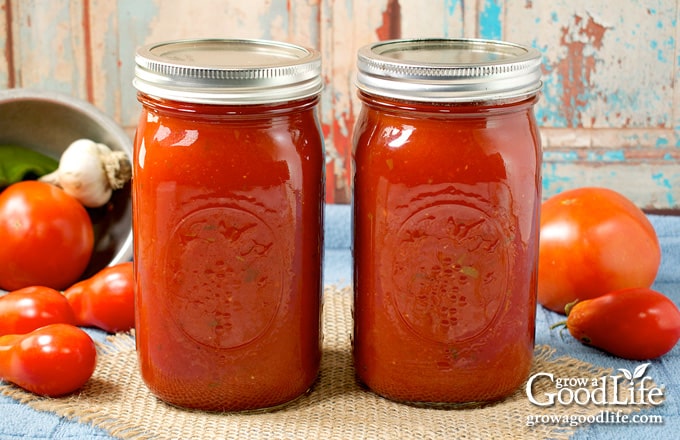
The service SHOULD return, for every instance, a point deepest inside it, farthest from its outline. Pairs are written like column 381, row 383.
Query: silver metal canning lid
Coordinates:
column 217, row 71
column 448, row 70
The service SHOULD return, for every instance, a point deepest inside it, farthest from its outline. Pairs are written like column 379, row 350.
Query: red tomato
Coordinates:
column 46, row 237
column 52, row 361
column 593, row 241
column 27, row 309
column 106, row 300
column 637, row 323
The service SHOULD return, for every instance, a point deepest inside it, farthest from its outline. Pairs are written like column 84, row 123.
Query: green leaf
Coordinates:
column 20, row 163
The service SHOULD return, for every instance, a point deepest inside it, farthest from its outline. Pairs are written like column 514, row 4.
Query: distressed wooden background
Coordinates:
column 609, row 113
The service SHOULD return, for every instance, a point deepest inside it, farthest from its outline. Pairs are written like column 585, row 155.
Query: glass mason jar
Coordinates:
column 228, row 193
column 447, row 192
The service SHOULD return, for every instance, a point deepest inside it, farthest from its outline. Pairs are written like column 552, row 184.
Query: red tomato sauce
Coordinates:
column 228, row 246
column 446, row 210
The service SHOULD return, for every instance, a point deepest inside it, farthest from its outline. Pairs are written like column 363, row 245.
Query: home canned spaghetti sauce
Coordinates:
column 446, row 206
column 227, row 195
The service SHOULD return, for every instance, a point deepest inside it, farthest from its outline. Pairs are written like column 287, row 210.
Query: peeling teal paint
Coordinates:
column 660, row 52
column 548, row 111
column 133, row 23
column 553, row 182
column 662, row 181
column 278, row 10
column 606, row 156
column 490, row 20
column 668, row 47
column 560, row 156
column 452, row 6
column 662, row 142
column 43, row 35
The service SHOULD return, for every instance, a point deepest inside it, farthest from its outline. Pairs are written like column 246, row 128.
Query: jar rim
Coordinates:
column 448, row 70
column 227, row 71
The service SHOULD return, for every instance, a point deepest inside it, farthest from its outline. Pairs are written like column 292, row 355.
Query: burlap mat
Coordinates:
column 115, row 399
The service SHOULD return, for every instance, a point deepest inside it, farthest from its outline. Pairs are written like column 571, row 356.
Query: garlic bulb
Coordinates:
column 90, row 171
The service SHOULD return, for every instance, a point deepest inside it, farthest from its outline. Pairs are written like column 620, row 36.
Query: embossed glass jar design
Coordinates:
column 447, row 193
column 228, row 192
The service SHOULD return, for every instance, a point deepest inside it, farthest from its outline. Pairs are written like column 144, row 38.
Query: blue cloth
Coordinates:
column 20, row 422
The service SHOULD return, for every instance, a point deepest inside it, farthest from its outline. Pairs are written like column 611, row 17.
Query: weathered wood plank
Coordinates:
column 144, row 21
column 609, row 111
column 351, row 24
column 6, row 44
column 604, row 67
column 105, row 57
column 651, row 184
column 49, row 46
column 577, row 138
column 134, row 21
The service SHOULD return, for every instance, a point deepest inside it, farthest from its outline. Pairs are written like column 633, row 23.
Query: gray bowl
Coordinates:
column 48, row 122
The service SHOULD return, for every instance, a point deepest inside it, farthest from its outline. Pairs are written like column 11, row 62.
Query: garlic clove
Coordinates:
column 90, row 171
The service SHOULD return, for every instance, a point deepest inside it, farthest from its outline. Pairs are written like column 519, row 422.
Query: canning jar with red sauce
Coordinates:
column 228, row 193
column 447, row 192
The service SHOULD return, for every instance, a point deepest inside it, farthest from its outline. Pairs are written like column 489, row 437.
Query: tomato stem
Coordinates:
column 568, row 307
column 559, row 324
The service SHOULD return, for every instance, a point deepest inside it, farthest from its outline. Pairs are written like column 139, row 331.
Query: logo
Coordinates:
column 628, row 388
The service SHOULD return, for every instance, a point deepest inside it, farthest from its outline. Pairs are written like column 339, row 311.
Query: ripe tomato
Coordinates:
column 52, row 361
column 46, row 237
column 24, row 310
column 593, row 241
column 105, row 300
column 637, row 323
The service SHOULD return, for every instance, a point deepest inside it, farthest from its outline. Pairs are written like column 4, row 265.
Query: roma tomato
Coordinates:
column 47, row 237
column 24, row 310
column 593, row 241
column 106, row 300
column 637, row 323
column 51, row 361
